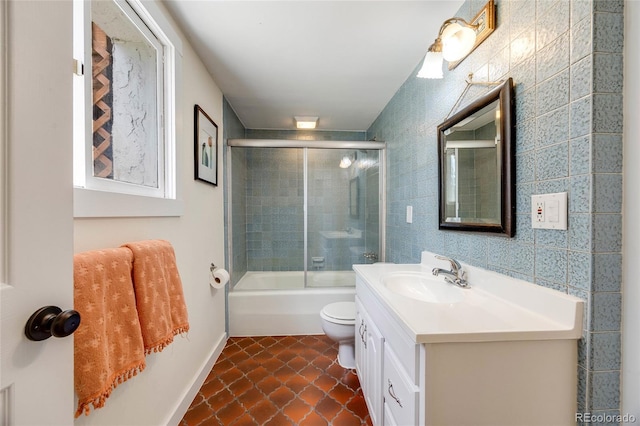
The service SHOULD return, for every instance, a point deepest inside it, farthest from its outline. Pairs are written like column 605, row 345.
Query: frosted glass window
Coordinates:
column 124, row 120
column 125, row 93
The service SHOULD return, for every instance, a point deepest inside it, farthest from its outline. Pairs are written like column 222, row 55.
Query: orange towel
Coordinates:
column 159, row 296
column 108, row 347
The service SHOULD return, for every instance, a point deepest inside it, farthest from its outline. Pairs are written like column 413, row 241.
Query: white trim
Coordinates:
column 92, row 203
column 154, row 16
column 81, row 91
column 4, row 132
column 198, row 381
column 149, row 10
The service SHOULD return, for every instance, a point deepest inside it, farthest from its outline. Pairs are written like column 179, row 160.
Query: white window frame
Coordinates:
column 97, row 197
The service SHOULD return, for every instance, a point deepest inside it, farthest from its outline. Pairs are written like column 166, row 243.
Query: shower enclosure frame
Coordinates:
column 305, row 145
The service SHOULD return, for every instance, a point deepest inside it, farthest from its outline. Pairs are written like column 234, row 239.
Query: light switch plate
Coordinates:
column 549, row 211
column 409, row 214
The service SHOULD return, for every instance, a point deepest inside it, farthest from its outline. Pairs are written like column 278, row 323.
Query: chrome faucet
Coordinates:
column 455, row 276
column 370, row 256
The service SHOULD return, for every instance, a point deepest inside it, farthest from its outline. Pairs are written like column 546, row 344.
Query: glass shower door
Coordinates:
column 274, row 210
column 343, row 217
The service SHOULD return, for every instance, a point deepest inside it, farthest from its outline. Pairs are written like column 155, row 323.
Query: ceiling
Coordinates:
column 341, row 61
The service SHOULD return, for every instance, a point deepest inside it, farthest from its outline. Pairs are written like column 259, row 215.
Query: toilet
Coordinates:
column 338, row 323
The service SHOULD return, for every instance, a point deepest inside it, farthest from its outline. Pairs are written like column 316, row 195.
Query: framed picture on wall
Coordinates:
column 206, row 147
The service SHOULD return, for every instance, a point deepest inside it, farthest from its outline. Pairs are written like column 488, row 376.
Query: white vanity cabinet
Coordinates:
column 454, row 365
column 369, row 347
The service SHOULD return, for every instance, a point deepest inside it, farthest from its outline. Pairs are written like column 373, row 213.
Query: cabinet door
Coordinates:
column 374, row 394
column 400, row 394
column 389, row 420
column 360, row 351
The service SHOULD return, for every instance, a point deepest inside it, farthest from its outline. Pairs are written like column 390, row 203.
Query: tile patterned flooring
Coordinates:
column 280, row 381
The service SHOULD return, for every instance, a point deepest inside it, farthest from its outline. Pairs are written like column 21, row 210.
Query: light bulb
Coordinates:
column 457, row 41
column 345, row 162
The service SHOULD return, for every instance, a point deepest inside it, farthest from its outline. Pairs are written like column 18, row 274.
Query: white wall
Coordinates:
column 631, row 211
column 152, row 397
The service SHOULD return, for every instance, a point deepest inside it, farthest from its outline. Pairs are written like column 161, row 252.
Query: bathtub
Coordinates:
column 277, row 304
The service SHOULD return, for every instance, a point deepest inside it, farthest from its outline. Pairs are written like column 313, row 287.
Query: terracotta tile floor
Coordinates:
column 290, row 380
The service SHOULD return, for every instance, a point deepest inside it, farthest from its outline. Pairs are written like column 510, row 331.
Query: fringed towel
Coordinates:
column 108, row 346
column 159, row 297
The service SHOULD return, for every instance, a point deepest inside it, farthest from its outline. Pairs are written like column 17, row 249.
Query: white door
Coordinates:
column 36, row 218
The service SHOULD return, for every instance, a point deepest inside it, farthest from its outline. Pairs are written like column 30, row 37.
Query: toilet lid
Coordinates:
column 341, row 310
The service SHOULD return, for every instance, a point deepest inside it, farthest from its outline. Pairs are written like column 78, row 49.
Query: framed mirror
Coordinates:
column 476, row 167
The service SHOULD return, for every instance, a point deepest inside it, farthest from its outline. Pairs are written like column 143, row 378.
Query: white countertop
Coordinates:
column 495, row 307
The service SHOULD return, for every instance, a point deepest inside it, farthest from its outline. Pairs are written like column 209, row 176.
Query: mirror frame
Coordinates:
column 504, row 94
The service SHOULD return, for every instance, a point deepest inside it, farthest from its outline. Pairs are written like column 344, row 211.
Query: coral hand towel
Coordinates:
column 108, row 347
column 159, row 296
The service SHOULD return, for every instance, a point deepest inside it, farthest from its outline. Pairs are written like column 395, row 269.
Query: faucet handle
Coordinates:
column 455, row 265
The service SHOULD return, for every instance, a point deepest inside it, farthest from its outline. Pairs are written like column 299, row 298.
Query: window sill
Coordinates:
column 92, row 203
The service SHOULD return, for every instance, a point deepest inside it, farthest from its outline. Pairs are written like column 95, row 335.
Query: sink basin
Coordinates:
column 423, row 286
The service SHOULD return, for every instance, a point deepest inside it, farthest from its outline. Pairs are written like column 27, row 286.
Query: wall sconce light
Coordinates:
column 306, row 122
column 456, row 39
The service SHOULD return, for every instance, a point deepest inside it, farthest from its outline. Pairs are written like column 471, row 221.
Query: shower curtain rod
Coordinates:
column 293, row 143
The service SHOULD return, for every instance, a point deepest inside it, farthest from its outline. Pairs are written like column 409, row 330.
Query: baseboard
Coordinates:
column 192, row 391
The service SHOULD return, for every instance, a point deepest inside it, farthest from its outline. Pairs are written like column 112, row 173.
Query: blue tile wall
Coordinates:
column 565, row 57
column 309, row 135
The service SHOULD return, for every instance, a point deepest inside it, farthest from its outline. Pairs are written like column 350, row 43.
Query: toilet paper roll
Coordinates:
column 218, row 277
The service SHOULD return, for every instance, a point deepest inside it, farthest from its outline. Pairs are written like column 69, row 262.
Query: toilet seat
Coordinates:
column 340, row 313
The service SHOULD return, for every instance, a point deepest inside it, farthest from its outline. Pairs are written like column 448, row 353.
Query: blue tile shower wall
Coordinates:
column 565, row 58
column 307, row 135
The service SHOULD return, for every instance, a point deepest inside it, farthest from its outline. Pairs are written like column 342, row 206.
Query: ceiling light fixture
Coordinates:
column 456, row 39
column 306, row 122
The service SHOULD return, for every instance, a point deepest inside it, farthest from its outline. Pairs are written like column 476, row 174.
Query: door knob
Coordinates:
column 51, row 321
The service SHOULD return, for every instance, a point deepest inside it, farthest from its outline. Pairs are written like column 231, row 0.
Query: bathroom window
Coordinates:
column 124, row 99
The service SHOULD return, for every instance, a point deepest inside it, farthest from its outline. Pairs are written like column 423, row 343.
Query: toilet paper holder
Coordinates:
column 212, row 269
column 218, row 277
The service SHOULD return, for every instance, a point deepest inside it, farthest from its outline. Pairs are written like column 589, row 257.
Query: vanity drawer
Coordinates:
column 400, row 394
